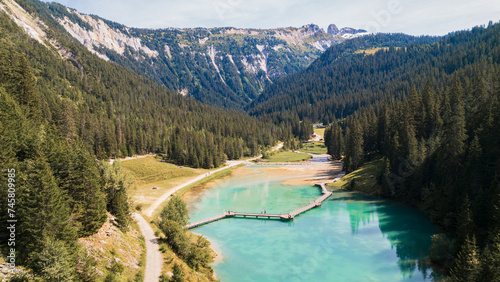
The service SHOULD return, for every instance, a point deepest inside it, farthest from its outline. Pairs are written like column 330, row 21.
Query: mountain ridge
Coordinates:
column 226, row 67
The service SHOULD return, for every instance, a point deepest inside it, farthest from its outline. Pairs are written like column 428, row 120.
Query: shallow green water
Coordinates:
column 352, row 237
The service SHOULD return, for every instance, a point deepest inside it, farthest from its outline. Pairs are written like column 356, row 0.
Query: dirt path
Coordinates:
column 154, row 258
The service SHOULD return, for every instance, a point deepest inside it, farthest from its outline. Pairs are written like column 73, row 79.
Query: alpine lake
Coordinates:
column 351, row 237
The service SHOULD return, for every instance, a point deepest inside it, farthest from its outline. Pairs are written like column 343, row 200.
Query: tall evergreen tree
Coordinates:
column 354, row 147
column 115, row 186
column 43, row 211
column 490, row 261
column 454, row 134
column 53, row 262
column 467, row 264
column 83, row 185
column 382, row 130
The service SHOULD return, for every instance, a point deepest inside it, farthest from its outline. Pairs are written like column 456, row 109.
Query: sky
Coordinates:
column 415, row 17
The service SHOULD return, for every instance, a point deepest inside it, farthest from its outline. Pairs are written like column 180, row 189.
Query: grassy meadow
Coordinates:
column 150, row 172
column 314, row 148
column 282, row 157
column 320, row 131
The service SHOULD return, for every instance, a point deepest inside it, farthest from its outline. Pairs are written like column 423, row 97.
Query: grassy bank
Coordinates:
column 314, row 148
column 286, row 157
column 365, row 179
column 212, row 177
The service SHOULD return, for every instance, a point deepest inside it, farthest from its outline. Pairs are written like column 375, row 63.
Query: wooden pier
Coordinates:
column 285, row 216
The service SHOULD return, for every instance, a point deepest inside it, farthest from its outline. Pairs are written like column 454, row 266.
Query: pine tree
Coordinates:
column 53, row 262
column 490, row 261
column 83, row 185
column 464, row 222
column 354, row 146
column 457, row 116
column 306, row 129
column 454, row 134
column 432, row 119
column 415, row 109
column 178, row 274
column 115, row 185
column 409, row 143
column 382, row 130
column 28, row 95
column 42, row 208
column 467, row 264
column 334, row 141
column 13, row 124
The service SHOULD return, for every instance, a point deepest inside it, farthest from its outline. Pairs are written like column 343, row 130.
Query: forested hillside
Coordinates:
column 440, row 146
column 63, row 113
column 225, row 67
column 115, row 112
column 345, row 79
column 57, row 190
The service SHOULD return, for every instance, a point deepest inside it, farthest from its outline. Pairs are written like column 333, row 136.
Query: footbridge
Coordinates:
column 283, row 216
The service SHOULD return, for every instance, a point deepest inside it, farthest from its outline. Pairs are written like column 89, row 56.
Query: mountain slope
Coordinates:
column 345, row 78
column 226, row 67
column 63, row 113
column 116, row 112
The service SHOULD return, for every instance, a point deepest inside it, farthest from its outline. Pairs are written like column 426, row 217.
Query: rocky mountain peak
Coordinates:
column 312, row 28
column 333, row 29
column 346, row 32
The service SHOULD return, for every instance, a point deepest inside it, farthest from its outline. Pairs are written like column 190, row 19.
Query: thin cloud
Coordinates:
column 412, row 17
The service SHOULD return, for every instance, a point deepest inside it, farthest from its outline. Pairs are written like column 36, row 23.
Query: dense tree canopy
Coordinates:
column 441, row 150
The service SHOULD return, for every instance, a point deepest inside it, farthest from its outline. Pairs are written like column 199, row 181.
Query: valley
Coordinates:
column 108, row 132
column 225, row 67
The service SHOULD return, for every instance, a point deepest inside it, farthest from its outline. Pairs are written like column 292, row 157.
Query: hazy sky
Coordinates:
column 435, row 17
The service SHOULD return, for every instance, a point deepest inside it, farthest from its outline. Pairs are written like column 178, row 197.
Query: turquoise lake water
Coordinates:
column 352, row 237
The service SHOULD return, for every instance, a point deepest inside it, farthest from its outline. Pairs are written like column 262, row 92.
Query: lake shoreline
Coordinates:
column 309, row 172
column 253, row 246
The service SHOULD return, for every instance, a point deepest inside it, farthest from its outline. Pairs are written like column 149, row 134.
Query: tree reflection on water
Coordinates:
column 408, row 231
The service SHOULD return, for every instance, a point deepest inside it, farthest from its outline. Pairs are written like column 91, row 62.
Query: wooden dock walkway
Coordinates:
column 208, row 220
column 285, row 216
column 318, row 202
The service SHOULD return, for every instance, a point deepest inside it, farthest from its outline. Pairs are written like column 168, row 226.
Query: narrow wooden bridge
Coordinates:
column 283, row 216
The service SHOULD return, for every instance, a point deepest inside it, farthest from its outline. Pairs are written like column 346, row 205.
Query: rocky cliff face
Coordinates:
column 226, row 67
column 102, row 35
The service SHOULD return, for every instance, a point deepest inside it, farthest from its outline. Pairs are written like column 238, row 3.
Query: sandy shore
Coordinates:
column 318, row 169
